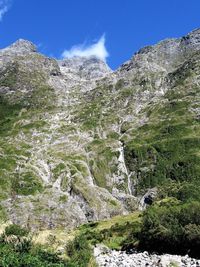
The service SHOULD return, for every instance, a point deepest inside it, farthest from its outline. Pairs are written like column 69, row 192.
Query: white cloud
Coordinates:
column 4, row 6
column 97, row 49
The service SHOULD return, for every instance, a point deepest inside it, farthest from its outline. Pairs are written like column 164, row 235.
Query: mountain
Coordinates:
column 80, row 142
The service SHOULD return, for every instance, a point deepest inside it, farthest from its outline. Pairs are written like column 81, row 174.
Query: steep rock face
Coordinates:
column 80, row 142
column 82, row 72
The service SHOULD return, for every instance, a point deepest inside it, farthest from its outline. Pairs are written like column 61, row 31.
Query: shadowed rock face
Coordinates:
column 79, row 142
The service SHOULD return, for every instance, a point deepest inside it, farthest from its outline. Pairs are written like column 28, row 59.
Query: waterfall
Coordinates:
column 123, row 167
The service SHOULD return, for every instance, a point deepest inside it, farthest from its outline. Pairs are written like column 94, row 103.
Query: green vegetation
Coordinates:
column 165, row 153
column 3, row 214
column 79, row 251
column 63, row 198
column 167, row 147
column 114, row 232
column 9, row 76
column 101, row 162
column 89, row 115
column 26, row 184
column 58, row 170
column 172, row 228
column 17, row 250
column 16, row 230
column 13, row 111
column 42, row 97
column 8, row 115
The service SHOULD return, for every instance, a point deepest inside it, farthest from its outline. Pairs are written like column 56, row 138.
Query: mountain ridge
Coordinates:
column 81, row 142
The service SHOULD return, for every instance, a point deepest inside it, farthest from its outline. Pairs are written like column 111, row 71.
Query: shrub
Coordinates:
column 17, row 250
column 17, row 230
column 79, row 251
column 172, row 229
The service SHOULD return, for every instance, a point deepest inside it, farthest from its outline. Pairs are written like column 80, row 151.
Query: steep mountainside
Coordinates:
column 79, row 142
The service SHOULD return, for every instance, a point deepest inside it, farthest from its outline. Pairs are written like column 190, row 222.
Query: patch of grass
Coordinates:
column 16, row 230
column 101, row 164
column 26, row 184
column 112, row 202
column 43, row 97
column 89, row 115
column 3, row 214
column 112, row 232
column 58, row 170
column 8, row 115
column 120, row 84
column 33, row 125
column 9, row 76
column 63, row 199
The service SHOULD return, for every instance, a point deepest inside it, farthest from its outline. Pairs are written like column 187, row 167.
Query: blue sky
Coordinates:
column 123, row 25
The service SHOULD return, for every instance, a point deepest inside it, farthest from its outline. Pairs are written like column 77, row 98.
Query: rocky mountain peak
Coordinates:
column 21, row 46
column 85, row 67
column 166, row 56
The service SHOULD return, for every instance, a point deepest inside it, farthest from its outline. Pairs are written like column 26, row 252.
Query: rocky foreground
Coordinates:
column 112, row 258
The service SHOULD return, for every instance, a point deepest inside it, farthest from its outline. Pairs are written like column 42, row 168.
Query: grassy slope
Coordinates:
column 113, row 232
column 166, row 148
